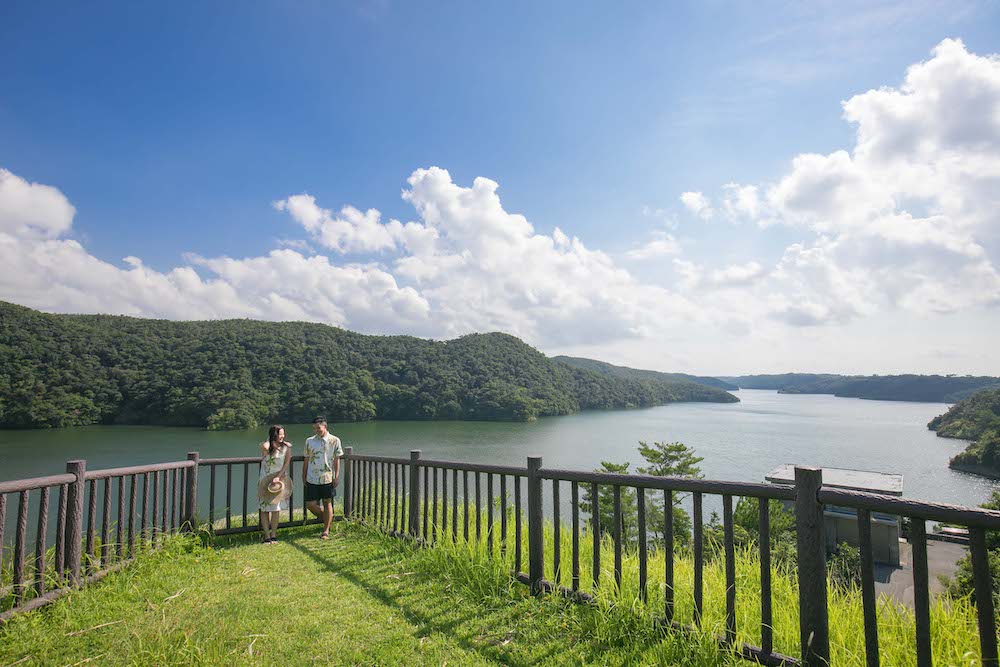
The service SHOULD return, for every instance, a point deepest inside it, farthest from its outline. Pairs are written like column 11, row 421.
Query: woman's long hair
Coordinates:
column 272, row 437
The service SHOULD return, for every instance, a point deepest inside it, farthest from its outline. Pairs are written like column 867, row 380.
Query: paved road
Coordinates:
column 942, row 559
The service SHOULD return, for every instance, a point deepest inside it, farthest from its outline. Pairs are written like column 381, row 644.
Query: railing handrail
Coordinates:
column 229, row 460
column 239, row 460
column 32, row 483
column 667, row 483
column 977, row 517
column 136, row 470
column 486, row 468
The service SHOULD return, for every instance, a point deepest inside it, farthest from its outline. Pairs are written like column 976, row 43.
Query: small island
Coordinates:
column 976, row 418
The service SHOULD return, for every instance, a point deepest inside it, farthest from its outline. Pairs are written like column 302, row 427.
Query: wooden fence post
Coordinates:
column 348, row 465
column 74, row 519
column 536, row 546
column 814, row 621
column 191, row 495
column 413, row 523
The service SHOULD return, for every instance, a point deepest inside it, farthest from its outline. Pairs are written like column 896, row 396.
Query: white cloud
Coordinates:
column 348, row 231
column 661, row 245
column 736, row 275
column 741, row 201
column 903, row 226
column 30, row 209
column 698, row 204
column 909, row 218
column 487, row 269
column 666, row 218
column 465, row 265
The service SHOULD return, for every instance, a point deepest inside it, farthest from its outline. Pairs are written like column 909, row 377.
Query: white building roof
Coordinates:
column 844, row 478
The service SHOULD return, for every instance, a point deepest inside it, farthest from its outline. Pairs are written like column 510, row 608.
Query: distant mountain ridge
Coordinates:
column 72, row 370
column 605, row 368
column 926, row 388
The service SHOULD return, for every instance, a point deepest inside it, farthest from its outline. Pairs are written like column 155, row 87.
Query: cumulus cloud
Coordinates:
column 906, row 219
column 695, row 276
column 737, row 275
column 909, row 217
column 43, row 269
column 466, row 264
column 31, row 209
column 661, row 245
column 698, row 204
column 349, row 230
column 741, row 201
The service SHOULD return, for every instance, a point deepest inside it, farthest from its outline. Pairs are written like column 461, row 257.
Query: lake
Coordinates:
column 739, row 441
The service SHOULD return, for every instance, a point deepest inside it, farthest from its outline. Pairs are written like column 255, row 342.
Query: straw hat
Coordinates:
column 272, row 491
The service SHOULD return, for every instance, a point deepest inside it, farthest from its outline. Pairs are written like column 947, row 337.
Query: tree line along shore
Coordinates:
column 73, row 370
column 977, row 419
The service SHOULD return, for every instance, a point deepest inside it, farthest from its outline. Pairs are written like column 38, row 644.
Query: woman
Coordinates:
column 275, row 455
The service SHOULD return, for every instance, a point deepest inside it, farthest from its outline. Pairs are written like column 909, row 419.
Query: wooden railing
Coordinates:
column 403, row 495
column 244, row 483
column 85, row 550
column 413, row 498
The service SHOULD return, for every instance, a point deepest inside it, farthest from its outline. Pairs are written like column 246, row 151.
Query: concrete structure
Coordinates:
column 841, row 523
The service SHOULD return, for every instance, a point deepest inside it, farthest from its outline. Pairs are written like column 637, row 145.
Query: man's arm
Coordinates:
column 305, row 461
column 338, row 451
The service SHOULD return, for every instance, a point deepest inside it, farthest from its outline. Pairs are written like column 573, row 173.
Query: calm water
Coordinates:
column 740, row 441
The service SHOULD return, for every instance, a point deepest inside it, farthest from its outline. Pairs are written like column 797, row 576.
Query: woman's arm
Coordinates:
column 288, row 459
column 263, row 448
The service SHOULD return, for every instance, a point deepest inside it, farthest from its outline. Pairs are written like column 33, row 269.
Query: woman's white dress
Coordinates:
column 270, row 464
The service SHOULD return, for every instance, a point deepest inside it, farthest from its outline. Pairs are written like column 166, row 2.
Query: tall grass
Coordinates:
column 52, row 580
column 626, row 617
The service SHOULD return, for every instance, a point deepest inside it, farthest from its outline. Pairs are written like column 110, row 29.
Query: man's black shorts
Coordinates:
column 318, row 492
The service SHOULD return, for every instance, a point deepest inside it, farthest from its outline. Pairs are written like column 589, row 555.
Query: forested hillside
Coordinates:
column 930, row 388
column 605, row 368
column 976, row 418
column 68, row 370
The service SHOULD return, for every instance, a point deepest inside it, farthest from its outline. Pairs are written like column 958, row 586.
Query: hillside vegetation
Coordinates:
column 928, row 388
column 975, row 418
column 605, row 368
column 71, row 370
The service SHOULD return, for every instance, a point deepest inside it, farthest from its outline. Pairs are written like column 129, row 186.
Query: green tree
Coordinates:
column 844, row 566
column 673, row 459
column 606, row 504
column 72, row 370
column 781, row 524
column 962, row 584
column 662, row 460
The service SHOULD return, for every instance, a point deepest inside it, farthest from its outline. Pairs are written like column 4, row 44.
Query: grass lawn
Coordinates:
column 360, row 599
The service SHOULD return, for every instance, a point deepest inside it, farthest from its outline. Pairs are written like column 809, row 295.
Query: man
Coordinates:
column 321, row 473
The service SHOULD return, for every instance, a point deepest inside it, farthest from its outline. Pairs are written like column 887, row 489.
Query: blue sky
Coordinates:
column 171, row 130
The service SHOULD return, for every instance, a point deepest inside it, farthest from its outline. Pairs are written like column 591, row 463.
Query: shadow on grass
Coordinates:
column 411, row 598
column 442, row 619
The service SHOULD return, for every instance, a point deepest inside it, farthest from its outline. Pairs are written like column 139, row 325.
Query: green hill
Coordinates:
column 71, row 370
column 975, row 418
column 927, row 388
column 605, row 368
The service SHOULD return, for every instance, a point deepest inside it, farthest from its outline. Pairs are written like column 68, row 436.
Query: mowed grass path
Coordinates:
column 360, row 599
